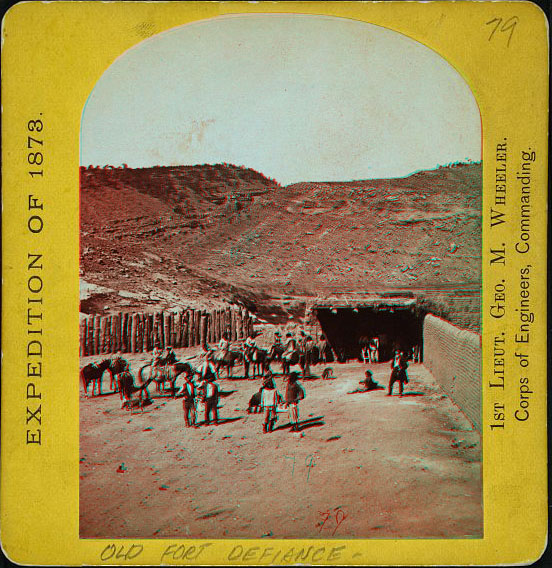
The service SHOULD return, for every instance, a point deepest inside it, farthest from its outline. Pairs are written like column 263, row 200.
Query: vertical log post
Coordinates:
column 145, row 333
column 90, row 338
column 203, row 329
column 190, row 327
column 217, row 325
column 239, row 325
column 209, row 328
column 197, row 324
column 82, row 335
column 166, row 329
column 179, row 335
column 173, row 322
column 97, row 323
column 133, row 322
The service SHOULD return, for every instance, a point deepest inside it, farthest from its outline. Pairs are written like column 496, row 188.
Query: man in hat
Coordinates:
column 188, row 401
column 211, row 397
column 398, row 373
column 270, row 398
column 294, row 394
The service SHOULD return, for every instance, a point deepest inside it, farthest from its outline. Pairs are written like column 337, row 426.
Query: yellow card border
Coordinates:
column 53, row 54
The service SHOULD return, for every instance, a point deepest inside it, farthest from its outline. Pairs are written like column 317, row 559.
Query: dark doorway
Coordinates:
column 396, row 328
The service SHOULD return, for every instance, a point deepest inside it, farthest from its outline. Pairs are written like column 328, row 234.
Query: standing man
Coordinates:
column 188, row 402
column 374, row 350
column 294, row 394
column 211, row 394
column 207, row 370
column 398, row 373
column 270, row 398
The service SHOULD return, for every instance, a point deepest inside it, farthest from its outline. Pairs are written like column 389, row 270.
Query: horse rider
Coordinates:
column 302, row 340
column 170, row 356
column 250, row 342
column 156, row 356
column 156, row 361
column 249, row 348
column 223, row 348
column 290, row 351
column 277, row 347
column 291, row 344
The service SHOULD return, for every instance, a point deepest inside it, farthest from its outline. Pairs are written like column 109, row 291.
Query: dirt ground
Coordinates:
column 363, row 465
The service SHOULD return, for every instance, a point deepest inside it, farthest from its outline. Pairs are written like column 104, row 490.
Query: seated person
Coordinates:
column 368, row 384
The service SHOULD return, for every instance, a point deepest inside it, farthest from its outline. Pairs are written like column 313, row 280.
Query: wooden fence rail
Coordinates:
column 138, row 332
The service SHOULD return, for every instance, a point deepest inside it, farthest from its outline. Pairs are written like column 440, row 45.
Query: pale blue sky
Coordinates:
column 299, row 98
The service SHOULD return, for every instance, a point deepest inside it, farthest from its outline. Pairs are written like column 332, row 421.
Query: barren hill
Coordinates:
column 212, row 233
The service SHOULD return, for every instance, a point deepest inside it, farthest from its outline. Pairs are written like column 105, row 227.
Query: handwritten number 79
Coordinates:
column 502, row 27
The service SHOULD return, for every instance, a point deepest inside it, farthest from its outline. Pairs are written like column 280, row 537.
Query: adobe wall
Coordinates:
column 453, row 355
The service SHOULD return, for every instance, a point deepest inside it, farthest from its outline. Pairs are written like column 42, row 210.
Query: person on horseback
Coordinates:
column 290, row 352
column 223, row 349
column 156, row 361
column 291, row 343
column 224, row 344
column 277, row 349
column 277, row 343
column 249, row 347
column 170, row 356
column 250, row 342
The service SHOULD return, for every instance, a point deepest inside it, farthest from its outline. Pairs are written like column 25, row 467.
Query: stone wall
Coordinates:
column 453, row 355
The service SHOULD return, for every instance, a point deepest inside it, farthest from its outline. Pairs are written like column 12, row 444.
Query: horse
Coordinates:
column 161, row 375
column 118, row 366
column 227, row 359
column 92, row 373
column 128, row 388
column 259, row 358
column 290, row 358
column 276, row 352
column 255, row 403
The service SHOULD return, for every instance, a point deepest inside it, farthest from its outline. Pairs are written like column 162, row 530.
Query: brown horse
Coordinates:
column 161, row 375
column 227, row 359
column 93, row 372
column 256, row 356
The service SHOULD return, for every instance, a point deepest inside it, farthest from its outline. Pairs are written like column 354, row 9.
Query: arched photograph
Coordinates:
column 280, row 286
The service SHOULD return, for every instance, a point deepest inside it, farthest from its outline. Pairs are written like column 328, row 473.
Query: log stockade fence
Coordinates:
column 139, row 332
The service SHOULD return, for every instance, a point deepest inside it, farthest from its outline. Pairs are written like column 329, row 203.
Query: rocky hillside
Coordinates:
column 213, row 233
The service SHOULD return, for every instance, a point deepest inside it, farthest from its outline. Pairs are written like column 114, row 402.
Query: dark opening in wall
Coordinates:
column 346, row 328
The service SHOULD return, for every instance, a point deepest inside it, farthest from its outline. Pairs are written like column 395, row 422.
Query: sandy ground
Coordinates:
column 363, row 465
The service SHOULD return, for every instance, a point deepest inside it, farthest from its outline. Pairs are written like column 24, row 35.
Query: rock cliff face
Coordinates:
column 215, row 233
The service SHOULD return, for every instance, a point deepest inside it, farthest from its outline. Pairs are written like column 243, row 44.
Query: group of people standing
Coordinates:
column 271, row 400
column 205, row 392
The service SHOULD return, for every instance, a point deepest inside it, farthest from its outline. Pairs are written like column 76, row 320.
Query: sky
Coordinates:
column 298, row 98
